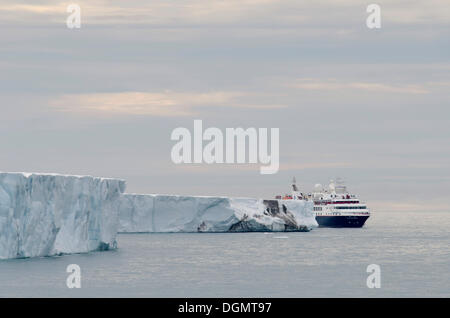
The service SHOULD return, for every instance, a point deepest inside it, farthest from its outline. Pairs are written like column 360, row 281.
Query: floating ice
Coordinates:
column 47, row 214
column 168, row 213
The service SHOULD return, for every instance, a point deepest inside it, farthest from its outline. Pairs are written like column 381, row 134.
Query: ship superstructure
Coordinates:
column 333, row 206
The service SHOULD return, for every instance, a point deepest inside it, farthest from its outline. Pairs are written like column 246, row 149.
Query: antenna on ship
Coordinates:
column 339, row 180
column 294, row 185
column 340, row 186
column 296, row 195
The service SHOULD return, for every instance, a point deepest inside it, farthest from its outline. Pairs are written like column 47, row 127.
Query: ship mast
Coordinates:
column 295, row 193
column 294, row 185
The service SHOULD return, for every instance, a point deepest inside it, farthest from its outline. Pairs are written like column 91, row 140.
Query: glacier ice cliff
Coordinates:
column 46, row 214
column 169, row 213
column 50, row 214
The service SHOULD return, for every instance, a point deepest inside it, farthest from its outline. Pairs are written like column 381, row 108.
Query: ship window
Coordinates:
column 351, row 207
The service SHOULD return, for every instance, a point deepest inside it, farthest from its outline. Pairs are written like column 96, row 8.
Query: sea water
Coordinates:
column 412, row 250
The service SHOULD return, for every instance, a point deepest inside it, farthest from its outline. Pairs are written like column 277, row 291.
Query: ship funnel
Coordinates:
column 340, row 187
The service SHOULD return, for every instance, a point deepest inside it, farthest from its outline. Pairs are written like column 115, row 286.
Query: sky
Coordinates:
column 368, row 105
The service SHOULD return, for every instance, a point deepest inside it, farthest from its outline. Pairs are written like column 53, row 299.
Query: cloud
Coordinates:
column 225, row 167
column 326, row 85
column 156, row 12
column 439, row 84
column 248, row 12
column 313, row 165
column 30, row 8
column 409, row 206
column 165, row 104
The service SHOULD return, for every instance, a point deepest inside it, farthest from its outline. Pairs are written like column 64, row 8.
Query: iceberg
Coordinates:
column 49, row 214
column 156, row 213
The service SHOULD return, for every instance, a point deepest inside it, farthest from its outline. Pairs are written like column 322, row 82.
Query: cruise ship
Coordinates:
column 335, row 206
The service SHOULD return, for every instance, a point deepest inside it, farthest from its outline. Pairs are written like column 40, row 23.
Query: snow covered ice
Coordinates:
column 169, row 213
column 47, row 214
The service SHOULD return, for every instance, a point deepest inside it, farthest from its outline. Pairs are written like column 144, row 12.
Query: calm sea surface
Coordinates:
column 412, row 249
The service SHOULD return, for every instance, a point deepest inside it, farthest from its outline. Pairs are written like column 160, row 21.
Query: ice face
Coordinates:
column 166, row 213
column 45, row 214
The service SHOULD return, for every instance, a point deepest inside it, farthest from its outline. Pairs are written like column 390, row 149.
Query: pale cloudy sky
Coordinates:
column 371, row 106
